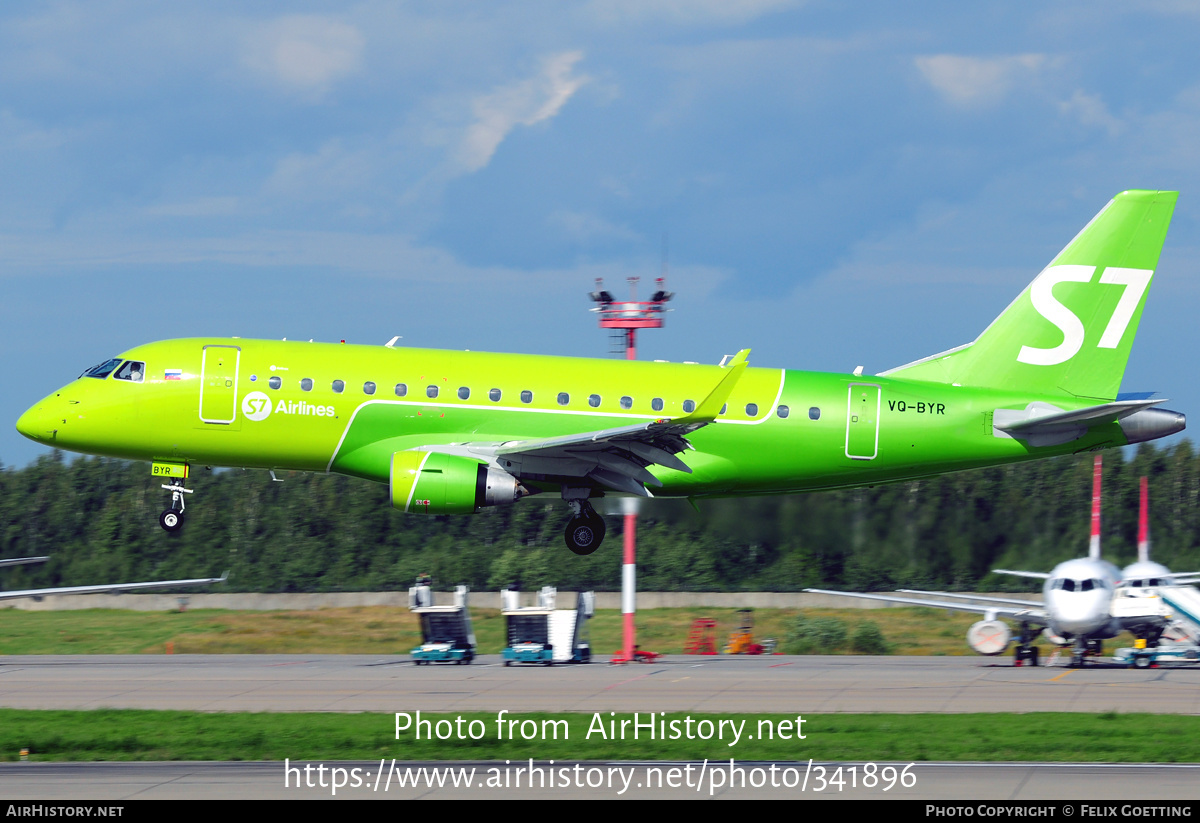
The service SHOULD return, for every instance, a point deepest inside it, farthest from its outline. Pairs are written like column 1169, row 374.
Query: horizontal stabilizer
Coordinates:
column 1044, row 424
column 1036, row 417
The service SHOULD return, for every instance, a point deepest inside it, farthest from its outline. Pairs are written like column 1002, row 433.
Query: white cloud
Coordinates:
column 583, row 228
column 977, row 81
column 305, row 54
column 689, row 12
column 526, row 103
column 330, row 171
column 198, row 207
column 1089, row 110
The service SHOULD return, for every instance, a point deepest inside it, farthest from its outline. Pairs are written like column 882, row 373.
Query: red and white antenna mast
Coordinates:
column 1094, row 546
column 1144, row 523
column 625, row 319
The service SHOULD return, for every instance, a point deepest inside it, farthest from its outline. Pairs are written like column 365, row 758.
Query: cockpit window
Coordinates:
column 103, row 370
column 1086, row 585
column 131, row 370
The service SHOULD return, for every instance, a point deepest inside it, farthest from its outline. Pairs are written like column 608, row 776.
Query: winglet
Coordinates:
column 710, row 406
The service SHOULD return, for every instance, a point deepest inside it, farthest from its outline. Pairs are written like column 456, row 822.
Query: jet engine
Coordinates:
column 425, row 482
column 989, row 637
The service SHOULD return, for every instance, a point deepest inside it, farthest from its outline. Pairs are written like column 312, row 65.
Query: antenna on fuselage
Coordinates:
column 1094, row 546
column 1144, row 523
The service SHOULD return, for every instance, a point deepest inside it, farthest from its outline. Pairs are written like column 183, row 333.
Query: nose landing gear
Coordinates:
column 172, row 518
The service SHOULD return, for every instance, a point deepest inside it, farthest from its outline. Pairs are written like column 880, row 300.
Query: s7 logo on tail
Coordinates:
column 1041, row 294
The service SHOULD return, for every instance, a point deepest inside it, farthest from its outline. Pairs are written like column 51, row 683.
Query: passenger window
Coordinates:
column 368, row 387
column 431, row 391
column 275, row 382
column 527, row 396
column 689, row 406
column 656, row 404
column 814, row 413
column 751, row 409
column 563, row 398
column 594, row 401
column 401, row 389
column 627, row 402
column 131, row 370
column 463, row 393
column 306, row 384
column 339, row 386
column 783, row 411
column 494, row 395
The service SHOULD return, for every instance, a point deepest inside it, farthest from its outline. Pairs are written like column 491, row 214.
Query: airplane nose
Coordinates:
column 37, row 424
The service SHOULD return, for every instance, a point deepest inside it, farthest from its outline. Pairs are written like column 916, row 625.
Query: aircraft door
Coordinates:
column 218, row 384
column 862, row 421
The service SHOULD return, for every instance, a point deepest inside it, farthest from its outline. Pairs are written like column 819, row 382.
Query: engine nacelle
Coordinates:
column 989, row 637
column 432, row 483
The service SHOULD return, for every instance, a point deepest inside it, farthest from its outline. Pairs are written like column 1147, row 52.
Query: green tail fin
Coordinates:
column 1072, row 328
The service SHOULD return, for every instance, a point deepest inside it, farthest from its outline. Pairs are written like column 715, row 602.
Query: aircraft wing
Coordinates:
column 617, row 458
column 1035, row 575
column 1004, row 601
column 1034, row 613
column 113, row 588
column 21, row 561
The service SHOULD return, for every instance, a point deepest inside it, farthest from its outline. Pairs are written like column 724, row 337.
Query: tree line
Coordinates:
column 98, row 520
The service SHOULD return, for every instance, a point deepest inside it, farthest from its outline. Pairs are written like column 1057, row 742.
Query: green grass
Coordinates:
column 383, row 630
column 153, row 735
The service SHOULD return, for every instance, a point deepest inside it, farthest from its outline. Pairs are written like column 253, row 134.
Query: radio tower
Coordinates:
column 623, row 320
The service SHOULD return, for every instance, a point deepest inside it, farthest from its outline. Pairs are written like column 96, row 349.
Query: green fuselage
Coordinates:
column 212, row 402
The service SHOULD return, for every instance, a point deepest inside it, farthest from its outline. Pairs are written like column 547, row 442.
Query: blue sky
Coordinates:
column 838, row 185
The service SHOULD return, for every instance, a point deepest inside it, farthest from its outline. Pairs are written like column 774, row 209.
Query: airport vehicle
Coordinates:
column 1143, row 657
column 543, row 634
column 1082, row 605
column 741, row 641
column 446, row 632
column 104, row 588
column 455, row 432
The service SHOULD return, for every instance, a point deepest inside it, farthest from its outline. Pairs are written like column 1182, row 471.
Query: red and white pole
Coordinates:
column 629, row 561
column 1094, row 546
column 1144, row 524
column 629, row 578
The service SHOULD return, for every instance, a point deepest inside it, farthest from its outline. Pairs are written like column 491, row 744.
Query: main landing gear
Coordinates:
column 585, row 531
column 1025, row 653
column 1083, row 649
column 172, row 518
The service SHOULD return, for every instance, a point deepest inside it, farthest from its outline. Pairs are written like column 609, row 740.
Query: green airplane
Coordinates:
column 454, row 432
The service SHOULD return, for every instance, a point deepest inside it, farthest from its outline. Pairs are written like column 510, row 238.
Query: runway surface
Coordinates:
column 803, row 685
column 964, row 783
column 808, row 684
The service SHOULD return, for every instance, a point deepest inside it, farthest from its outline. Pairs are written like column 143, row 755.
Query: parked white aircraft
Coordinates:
column 1076, row 606
column 1145, row 573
